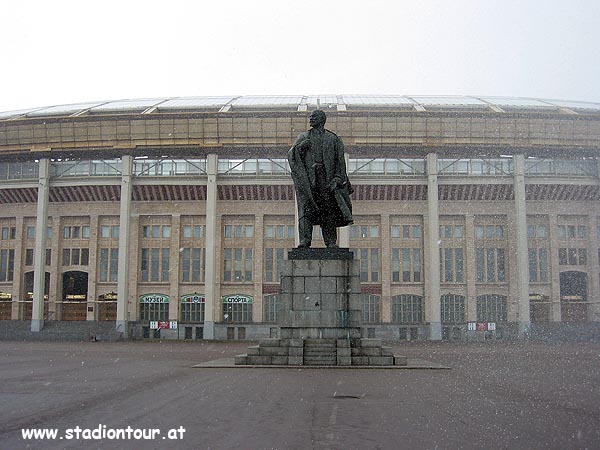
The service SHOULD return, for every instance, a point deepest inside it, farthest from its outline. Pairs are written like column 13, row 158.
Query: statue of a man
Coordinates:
column 322, row 186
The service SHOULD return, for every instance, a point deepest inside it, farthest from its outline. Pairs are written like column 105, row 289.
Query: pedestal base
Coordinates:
column 320, row 352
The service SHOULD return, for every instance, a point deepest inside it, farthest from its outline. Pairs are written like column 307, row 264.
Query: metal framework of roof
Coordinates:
column 305, row 102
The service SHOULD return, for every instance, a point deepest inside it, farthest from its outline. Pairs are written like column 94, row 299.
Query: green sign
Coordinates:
column 154, row 298
column 238, row 298
column 193, row 298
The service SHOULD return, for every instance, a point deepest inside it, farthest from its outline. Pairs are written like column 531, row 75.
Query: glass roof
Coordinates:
column 514, row 102
column 303, row 103
column 449, row 101
column 311, row 100
column 63, row 110
column 377, row 100
column 195, row 102
column 16, row 113
column 128, row 105
column 262, row 101
column 574, row 104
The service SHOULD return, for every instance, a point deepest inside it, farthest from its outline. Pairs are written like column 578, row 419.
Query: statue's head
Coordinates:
column 317, row 118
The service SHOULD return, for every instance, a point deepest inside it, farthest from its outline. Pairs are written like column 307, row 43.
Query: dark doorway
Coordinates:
column 539, row 308
column 573, row 296
column 74, row 296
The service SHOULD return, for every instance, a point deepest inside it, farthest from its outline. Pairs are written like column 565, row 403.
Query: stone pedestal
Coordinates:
column 320, row 295
column 320, row 316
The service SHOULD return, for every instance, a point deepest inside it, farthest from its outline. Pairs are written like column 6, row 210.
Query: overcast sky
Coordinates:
column 57, row 52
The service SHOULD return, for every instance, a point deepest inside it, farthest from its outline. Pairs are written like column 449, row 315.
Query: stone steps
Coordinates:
column 321, row 352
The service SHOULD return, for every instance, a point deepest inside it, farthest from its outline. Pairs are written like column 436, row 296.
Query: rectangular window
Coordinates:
column 533, row 265
column 114, row 265
column 280, row 230
column 105, row 231
column 273, row 261
column 368, row 263
column 541, row 231
column 417, row 231
column 237, row 312
column 192, row 264
column 192, row 312
column 155, row 264
column 269, row 231
column 562, row 256
column 75, row 256
column 30, row 232
column 66, row 258
column 479, row 264
column 154, row 311
column 582, row 253
column 479, row 232
column 490, row 265
column 29, row 257
column 237, row 265
column 7, row 264
column 406, row 265
column 452, row 265
column 104, row 264
column 543, row 265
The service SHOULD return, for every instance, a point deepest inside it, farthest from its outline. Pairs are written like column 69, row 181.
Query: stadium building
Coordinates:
column 467, row 210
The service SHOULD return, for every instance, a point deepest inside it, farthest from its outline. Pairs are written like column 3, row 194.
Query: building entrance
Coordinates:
column 74, row 298
column 573, row 296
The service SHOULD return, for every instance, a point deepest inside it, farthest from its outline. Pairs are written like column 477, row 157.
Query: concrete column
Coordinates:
column 470, row 268
column 124, row 244
column 593, row 250
column 17, row 292
column 521, row 272
column 211, row 271
column 92, row 296
column 258, row 259
column 55, row 290
column 344, row 232
column 39, row 255
column 554, row 268
column 133, row 304
column 432, row 255
column 296, row 218
column 386, row 269
column 175, row 245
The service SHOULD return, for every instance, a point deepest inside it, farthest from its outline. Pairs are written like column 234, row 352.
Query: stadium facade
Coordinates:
column 467, row 210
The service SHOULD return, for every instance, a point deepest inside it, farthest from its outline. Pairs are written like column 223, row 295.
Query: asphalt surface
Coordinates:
column 497, row 395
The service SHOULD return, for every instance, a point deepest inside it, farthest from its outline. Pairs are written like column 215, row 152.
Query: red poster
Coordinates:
column 481, row 326
column 163, row 325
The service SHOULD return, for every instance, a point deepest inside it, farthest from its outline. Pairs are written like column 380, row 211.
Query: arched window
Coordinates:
column 408, row 309
column 452, row 308
column 491, row 308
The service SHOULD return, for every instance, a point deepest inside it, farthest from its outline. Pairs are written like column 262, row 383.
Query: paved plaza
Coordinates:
column 497, row 395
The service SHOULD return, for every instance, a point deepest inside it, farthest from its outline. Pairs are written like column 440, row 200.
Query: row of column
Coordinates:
column 431, row 246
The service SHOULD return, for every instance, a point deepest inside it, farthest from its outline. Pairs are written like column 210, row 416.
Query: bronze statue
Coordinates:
column 321, row 182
